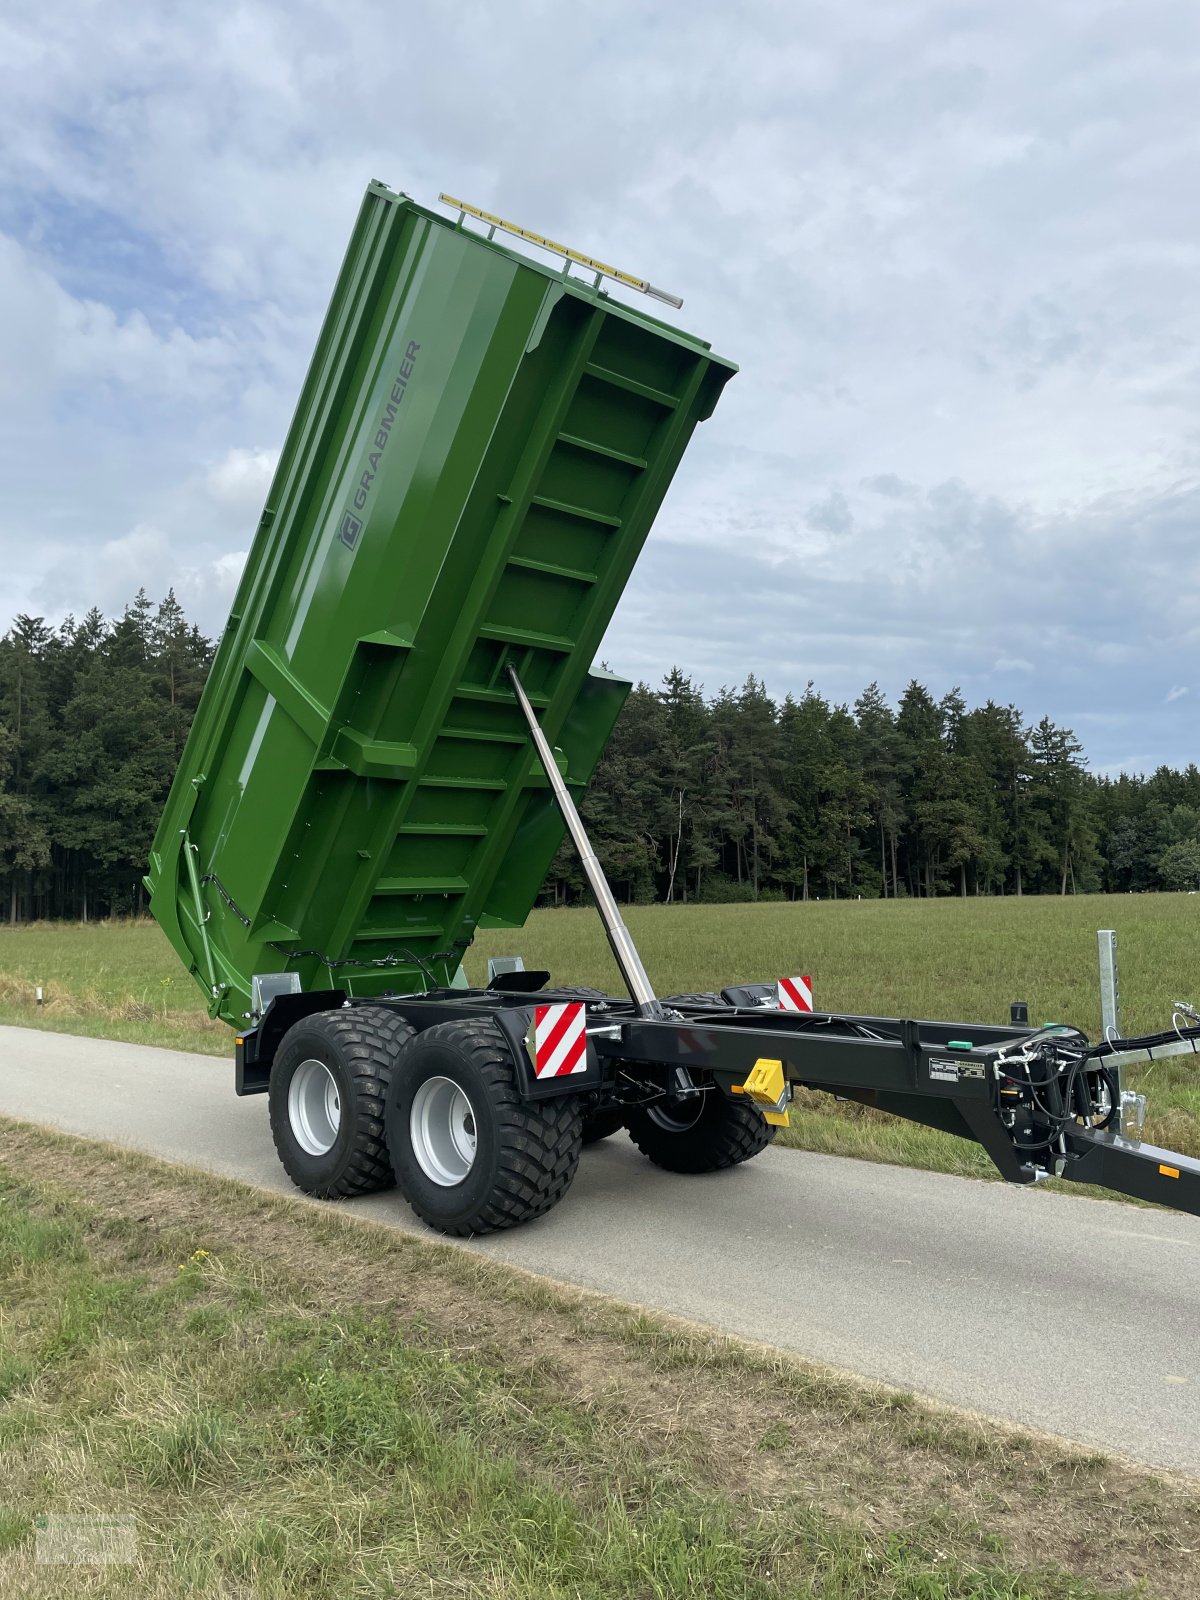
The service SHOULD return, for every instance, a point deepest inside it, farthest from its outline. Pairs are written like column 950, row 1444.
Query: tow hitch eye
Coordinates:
column 768, row 1088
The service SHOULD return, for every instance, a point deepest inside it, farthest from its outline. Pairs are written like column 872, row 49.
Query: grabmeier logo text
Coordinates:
column 351, row 526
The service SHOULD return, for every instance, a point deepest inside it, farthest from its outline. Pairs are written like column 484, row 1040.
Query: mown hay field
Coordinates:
column 961, row 960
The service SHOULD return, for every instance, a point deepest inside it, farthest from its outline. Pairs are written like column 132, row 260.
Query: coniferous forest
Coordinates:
column 732, row 796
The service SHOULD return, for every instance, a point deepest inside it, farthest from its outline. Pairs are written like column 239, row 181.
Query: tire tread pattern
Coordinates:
column 603, row 1123
column 729, row 1132
column 540, row 1139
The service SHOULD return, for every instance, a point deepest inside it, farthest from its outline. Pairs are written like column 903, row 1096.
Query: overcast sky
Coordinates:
column 954, row 248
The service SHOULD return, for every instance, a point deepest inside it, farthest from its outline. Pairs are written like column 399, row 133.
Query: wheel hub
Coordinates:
column 443, row 1132
column 314, row 1107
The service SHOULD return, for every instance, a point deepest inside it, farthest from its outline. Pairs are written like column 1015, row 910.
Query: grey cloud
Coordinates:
column 889, row 485
column 950, row 259
column 974, row 616
column 831, row 515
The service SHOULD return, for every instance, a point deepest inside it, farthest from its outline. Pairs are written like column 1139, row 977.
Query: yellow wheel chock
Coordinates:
column 768, row 1088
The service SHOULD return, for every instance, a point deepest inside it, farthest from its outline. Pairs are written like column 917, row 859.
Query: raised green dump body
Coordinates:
column 479, row 450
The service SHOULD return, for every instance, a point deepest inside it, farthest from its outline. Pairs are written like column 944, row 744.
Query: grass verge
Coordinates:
column 289, row 1400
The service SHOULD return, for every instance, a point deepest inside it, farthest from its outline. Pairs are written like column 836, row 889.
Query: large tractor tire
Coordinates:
column 470, row 1155
column 706, row 999
column 327, row 1096
column 701, row 1135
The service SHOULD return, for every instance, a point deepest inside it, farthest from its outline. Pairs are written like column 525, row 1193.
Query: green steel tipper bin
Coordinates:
column 400, row 712
column 479, row 450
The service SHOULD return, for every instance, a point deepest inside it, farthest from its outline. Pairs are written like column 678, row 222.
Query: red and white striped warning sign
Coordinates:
column 795, row 994
column 559, row 1040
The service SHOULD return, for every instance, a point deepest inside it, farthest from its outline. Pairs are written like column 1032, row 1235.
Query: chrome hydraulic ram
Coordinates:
column 619, row 937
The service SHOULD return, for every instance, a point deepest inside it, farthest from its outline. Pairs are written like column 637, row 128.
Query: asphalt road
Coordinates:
column 1074, row 1316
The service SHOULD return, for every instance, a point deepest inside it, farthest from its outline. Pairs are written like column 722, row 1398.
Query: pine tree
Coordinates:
column 24, row 844
column 623, row 805
column 919, row 729
column 180, row 656
column 807, row 754
column 1062, row 803
column 880, row 754
column 689, row 752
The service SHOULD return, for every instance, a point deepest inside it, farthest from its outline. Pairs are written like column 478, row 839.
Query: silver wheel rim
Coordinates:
column 314, row 1107
column 442, row 1128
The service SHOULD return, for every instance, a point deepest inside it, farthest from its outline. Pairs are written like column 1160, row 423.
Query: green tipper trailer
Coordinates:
column 479, row 450
column 400, row 712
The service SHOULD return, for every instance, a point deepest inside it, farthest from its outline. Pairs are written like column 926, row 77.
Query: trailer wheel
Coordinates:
column 327, row 1094
column 707, row 999
column 602, row 1124
column 702, row 1135
column 470, row 1155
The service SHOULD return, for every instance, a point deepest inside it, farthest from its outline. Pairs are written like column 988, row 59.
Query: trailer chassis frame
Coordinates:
column 905, row 1067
